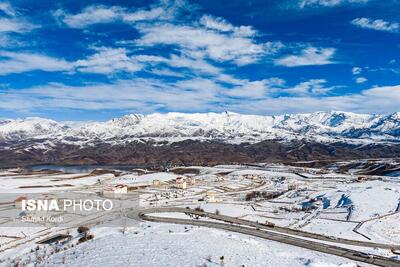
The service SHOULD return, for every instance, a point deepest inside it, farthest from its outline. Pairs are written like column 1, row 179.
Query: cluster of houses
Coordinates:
column 179, row 182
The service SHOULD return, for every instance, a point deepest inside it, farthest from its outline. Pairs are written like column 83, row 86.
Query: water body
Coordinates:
column 326, row 202
column 309, row 204
column 85, row 168
column 393, row 174
column 344, row 201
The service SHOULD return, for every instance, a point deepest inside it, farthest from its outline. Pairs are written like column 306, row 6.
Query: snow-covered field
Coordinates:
column 385, row 230
column 174, row 245
column 339, row 205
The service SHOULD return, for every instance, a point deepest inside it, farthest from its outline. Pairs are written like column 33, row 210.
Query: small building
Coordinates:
column 114, row 191
column 361, row 178
column 159, row 183
column 191, row 180
column 18, row 202
column 210, row 196
column 180, row 183
column 292, row 186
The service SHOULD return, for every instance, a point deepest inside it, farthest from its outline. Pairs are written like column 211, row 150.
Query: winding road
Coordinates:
column 279, row 234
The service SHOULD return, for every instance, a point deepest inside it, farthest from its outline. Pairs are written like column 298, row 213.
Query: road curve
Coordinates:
column 268, row 233
column 275, row 228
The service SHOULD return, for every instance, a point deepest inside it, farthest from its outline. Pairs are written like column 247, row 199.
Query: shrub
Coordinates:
column 85, row 238
column 83, row 229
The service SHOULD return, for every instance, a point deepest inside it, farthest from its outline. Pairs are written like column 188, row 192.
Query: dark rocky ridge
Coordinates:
column 189, row 152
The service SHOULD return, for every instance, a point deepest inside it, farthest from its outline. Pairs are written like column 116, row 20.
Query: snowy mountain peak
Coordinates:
column 226, row 127
column 28, row 128
column 127, row 120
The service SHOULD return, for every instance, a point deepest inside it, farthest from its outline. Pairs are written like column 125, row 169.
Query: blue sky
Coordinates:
column 95, row 60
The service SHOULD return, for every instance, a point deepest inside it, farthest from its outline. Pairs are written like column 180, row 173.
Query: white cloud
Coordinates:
column 308, row 56
column 361, row 80
column 11, row 22
column 208, row 37
column 24, row 62
column 15, row 25
column 136, row 94
column 7, row 9
column 142, row 15
column 221, row 25
column 193, row 95
column 356, row 70
column 90, row 15
column 377, row 24
column 100, row 14
column 375, row 100
column 328, row 3
column 107, row 61
column 255, row 89
column 312, row 87
column 203, row 42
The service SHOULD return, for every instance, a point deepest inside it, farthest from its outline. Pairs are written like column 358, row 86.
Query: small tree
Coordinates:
column 83, row 230
column 222, row 263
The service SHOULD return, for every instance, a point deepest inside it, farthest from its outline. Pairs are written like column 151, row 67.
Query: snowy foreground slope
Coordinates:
column 152, row 244
column 227, row 127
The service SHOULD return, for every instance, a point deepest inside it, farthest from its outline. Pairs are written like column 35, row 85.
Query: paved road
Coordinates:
column 279, row 229
column 268, row 233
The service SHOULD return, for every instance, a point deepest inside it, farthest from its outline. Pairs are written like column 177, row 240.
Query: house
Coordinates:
column 180, row 183
column 361, row 178
column 18, row 202
column 292, row 186
column 113, row 191
column 191, row 180
column 159, row 183
column 210, row 196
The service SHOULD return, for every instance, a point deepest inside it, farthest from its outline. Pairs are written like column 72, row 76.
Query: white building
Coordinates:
column 115, row 191
column 191, row 180
column 210, row 196
column 180, row 183
column 18, row 202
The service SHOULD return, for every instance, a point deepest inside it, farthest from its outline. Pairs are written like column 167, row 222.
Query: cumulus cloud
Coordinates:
column 15, row 25
column 328, row 3
column 90, row 15
column 377, row 24
column 150, row 95
column 308, row 56
column 205, row 37
column 101, row 14
column 255, row 89
column 361, row 80
column 311, row 87
column 219, row 24
column 356, row 70
column 103, row 61
column 11, row 22
column 202, row 42
column 375, row 100
column 108, row 61
column 13, row 62
column 7, row 9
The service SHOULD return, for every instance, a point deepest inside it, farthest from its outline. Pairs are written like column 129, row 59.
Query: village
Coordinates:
column 320, row 202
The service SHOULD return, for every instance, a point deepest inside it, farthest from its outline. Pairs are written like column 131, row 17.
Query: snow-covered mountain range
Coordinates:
column 227, row 127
